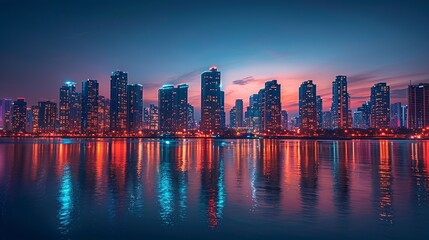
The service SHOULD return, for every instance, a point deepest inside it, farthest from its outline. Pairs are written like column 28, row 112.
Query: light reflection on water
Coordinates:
column 113, row 188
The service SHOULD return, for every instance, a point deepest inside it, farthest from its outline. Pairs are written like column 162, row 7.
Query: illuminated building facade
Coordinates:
column 173, row 108
column 307, row 105
column 365, row 111
column 90, row 106
column 212, row 98
column 340, row 103
column 69, row 109
column 396, row 115
column 47, row 117
column 418, row 105
column 319, row 112
column 285, row 120
column 270, row 107
column 134, row 108
column 239, row 113
column 380, row 106
column 118, row 101
column 103, row 114
column 6, row 106
column 19, row 117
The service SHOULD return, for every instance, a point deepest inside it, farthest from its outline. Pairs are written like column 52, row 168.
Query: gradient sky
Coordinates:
column 44, row 44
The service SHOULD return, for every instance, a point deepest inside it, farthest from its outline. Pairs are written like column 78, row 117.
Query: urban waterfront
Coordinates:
column 54, row 188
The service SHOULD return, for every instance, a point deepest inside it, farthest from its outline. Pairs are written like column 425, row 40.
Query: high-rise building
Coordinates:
column 191, row 118
column 396, row 115
column 153, row 117
column 327, row 120
column 239, row 113
column 19, row 117
column 35, row 123
column 134, row 108
column 233, row 117
column 118, row 101
column 270, row 107
column 365, row 111
column 307, row 105
column 285, row 120
column 404, row 116
column 103, row 114
column 29, row 121
column 358, row 121
column 222, row 111
column 90, row 106
column 47, row 117
column 319, row 112
column 253, row 120
column 212, row 107
column 69, row 108
column 418, row 105
column 340, row 103
column 6, row 106
column 173, row 108
column 380, row 106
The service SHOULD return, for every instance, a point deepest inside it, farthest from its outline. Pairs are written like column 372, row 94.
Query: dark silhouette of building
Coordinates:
column 327, row 120
column 319, row 112
column 340, row 103
column 90, row 106
column 307, row 105
column 19, row 117
column 173, row 108
column 191, row 118
column 134, row 108
column 418, row 105
column 103, row 114
column 47, row 116
column 396, row 115
column 285, row 119
column 365, row 111
column 70, row 109
column 380, row 106
column 118, row 101
column 239, row 113
column 212, row 102
column 233, row 117
column 6, row 112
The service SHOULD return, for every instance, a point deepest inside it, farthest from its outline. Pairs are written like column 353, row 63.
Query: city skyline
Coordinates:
column 280, row 45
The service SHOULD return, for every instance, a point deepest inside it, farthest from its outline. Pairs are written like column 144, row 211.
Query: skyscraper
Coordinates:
column 35, row 123
column 90, row 106
column 191, row 118
column 153, row 117
column 69, row 108
column 380, row 106
column 253, row 113
column 47, row 116
column 358, row 120
column 327, row 120
column 19, row 117
column 103, row 114
column 285, row 120
column 404, row 118
column 118, row 101
column 418, row 105
column 365, row 111
column 239, row 112
column 212, row 112
column 270, row 107
column 307, row 105
column 134, row 108
column 319, row 112
column 173, row 108
column 6, row 106
column 396, row 115
column 233, row 117
column 340, row 103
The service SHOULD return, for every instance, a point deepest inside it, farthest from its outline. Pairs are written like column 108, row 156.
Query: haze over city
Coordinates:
column 251, row 42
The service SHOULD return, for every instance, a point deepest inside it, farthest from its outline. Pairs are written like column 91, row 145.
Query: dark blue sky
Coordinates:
column 157, row 42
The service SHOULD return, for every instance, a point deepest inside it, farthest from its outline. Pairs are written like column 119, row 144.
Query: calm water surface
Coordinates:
column 213, row 189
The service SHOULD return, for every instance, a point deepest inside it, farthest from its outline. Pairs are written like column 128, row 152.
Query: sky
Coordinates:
column 43, row 44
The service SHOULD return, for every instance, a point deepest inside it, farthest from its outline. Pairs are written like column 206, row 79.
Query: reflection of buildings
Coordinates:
column 384, row 180
column 173, row 182
column 308, row 162
column 341, row 152
column 212, row 180
column 420, row 173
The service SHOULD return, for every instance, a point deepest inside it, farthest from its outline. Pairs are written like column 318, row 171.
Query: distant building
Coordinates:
column 118, row 101
column 284, row 120
column 319, row 112
column 19, row 117
column 70, row 109
column 191, row 117
column 327, row 120
column 340, row 103
column 212, row 102
column 232, row 117
column 173, row 108
column 418, row 105
column 35, row 118
column 270, row 107
column 90, row 106
column 153, row 122
column 239, row 113
column 358, row 121
column 134, row 108
column 396, row 115
column 365, row 111
column 404, row 118
column 47, row 116
column 103, row 114
column 307, row 105
column 252, row 116
column 380, row 106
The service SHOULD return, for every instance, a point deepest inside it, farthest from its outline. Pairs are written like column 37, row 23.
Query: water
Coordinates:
column 213, row 189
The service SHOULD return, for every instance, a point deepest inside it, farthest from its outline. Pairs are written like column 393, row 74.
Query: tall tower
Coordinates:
column 307, row 105
column 418, row 105
column 134, row 108
column 69, row 108
column 239, row 112
column 340, row 103
column 380, row 106
column 90, row 106
column 212, row 109
column 118, row 101
column 270, row 107
column 19, row 117
column 47, row 116
column 173, row 108
column 319, row 112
